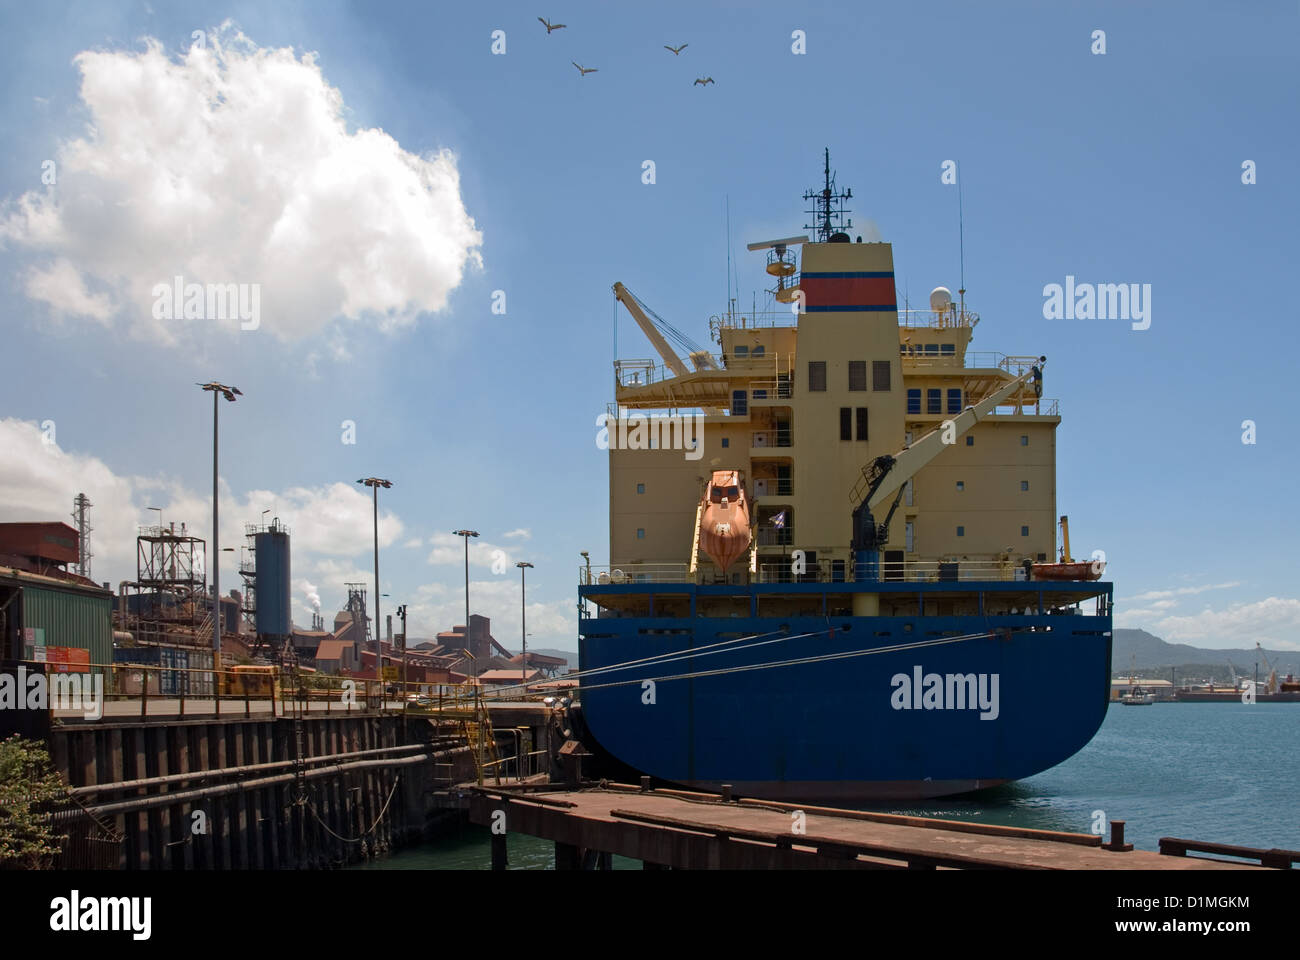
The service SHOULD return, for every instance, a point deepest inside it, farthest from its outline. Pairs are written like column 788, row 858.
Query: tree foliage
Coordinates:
column 28, row 783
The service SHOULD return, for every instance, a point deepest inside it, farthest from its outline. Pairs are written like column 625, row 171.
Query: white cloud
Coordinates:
column 1180, row 592
column 234, row 164
column 440, row 606
column 1273, row 621
column 39, row 480
column 449, row 548
column 61, row 285
column 520, row 533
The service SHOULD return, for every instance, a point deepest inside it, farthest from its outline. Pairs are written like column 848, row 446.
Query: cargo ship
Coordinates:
column 862, row 620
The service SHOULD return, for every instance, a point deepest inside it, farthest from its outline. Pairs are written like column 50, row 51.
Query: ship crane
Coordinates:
column 1270, row 685
column 887, row 475
column 639, row 312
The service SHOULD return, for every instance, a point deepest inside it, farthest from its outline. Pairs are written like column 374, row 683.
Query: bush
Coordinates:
column 28, row 782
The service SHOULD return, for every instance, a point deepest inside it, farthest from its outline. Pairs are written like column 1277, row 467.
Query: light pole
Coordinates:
column 229, row 393
column 374, row 483
column 466, row 534
column 524, row 567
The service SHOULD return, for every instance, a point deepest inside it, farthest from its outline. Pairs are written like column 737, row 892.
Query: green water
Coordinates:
column 1222, row 772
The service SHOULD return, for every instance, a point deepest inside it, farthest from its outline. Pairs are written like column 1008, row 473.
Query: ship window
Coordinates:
column 907, row 495
column 1024, row 440
column 913, row 401
column 741, row 351
column 862, row 423
column 758, row 351
column 961, row 484
column 879, row 374
column 931, row 349
column 857, row 374
column 948, row 349
column 846, row 423
column 970, row 441
column 954, row 400
column 910, row 539
column 934, row 401
column 837, row 571
column 640, row 533
column 1042, row 556
column 726, row 442
column 817, row 375
column 640, row 488
column 1024, row 485
column 961, row 531
column 1024, row 531
column 739, row 403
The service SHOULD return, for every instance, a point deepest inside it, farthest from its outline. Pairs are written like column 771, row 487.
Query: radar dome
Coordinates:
column 940, row 299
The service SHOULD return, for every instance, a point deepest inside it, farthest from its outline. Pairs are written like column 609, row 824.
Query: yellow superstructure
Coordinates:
column 801, row 402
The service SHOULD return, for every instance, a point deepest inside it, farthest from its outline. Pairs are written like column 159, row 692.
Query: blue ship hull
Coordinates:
column 1021, row 694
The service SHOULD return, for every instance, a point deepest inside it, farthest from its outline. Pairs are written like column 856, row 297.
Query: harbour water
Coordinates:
column 1208, row 771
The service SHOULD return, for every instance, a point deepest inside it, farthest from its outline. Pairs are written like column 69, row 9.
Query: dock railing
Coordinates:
column 143, row 690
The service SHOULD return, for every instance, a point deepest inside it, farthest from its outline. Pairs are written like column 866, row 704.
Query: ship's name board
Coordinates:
column 946, row 691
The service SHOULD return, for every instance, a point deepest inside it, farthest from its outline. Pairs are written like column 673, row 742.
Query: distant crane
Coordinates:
column 1270, row 685
column 550, row 26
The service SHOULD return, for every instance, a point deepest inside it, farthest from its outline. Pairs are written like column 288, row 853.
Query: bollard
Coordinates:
column 1117, row 843
column 645, row 784
column 726, row 793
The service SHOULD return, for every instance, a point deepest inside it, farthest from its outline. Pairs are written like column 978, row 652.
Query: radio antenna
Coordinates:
column 961, row 242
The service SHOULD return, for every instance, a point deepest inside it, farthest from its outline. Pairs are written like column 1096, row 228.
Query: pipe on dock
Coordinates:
column 156, row 801
column 231, row 771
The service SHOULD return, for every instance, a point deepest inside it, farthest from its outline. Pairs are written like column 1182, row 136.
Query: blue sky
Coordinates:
column 1117, row 168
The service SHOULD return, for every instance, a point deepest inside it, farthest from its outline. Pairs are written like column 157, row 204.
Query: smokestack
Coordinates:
column 389, row 618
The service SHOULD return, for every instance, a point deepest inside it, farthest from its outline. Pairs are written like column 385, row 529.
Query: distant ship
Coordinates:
column 860, row 604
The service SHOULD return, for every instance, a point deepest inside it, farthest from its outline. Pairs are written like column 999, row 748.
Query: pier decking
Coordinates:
column 666, row 828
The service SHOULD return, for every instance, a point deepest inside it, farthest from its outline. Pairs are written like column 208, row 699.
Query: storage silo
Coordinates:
column 272, row 583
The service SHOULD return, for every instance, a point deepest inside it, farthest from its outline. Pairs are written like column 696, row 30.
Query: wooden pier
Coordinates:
column 681, row 830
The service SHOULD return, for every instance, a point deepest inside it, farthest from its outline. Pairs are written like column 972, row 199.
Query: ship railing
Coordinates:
column 635, row 573
column 770, row 438
column 773, row 487
column 754, row 320
column 778, row 389
column 640, row 373
column 908, row 571
column 949, row 319
column 770, row 536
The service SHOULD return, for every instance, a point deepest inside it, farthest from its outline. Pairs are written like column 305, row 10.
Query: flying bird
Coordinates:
column 550, row 26
column 676, row 50
column 703, row 81
column 584, row 70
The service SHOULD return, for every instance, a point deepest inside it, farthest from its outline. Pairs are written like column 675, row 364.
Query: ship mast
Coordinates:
column 828, row 208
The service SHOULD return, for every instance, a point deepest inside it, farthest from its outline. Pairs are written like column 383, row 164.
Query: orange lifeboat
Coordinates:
column 724, row 519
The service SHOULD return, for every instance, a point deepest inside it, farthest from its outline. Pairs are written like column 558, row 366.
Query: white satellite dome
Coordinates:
column 940, row 299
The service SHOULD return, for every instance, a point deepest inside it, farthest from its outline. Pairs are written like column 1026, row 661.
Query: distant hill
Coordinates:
column 1154, row 656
